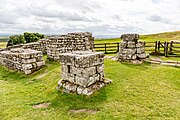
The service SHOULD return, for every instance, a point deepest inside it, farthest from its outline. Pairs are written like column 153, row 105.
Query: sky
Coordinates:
column 101, row 17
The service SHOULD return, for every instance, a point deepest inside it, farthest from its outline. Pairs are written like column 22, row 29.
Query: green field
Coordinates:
column 137, row 92
column 167, row 36
column 3, row 44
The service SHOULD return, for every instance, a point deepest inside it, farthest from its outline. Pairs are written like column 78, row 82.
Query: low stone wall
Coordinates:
column 68, row 43
column 53, row 46
column 39, row 46
column 82, row 72
column 25, row 60
column 131, row 49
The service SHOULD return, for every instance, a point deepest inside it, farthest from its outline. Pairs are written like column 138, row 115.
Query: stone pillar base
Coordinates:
column 68, row 87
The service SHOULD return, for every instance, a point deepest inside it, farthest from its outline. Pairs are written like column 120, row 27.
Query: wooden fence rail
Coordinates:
column 166, row 48
column 107, row 47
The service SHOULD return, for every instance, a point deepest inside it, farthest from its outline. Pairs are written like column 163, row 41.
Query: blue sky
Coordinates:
column 101, row 17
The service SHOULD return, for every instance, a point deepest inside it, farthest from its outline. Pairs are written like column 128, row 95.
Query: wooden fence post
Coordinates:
column 166, row 49
column 117, row 47
column 159, row 46
column 171, row 47
column 156, row 45
column 105, row 47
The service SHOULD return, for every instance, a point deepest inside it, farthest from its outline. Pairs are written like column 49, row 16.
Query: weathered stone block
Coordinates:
column 86, row 70
column 25, row 60
column 130, row 48
column 129, row 37
column 68, row 43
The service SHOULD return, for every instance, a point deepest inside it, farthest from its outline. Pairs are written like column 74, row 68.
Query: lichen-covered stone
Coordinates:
column 130, row 49
column 129, row 37
column 25, row 60
column 82, row 69
column 68, row 43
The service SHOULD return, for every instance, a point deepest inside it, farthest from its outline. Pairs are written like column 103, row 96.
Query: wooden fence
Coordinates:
column 107, row 48
column 166, row 48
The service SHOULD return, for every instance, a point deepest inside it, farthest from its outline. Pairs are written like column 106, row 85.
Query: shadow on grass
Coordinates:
column 73, row 101
column 7, row 74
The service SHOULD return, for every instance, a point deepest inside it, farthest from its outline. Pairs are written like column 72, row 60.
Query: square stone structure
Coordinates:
column 82, row 72
column 82, row 41
column 25, row 60
column 131, row 49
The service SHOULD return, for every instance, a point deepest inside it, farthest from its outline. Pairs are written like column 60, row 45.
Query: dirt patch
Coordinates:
column 42, row 105
column 41, row 76
column 2, row 81
column 89, row 111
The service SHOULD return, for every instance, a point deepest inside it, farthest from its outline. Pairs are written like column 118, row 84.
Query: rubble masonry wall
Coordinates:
column 25, row 60
column 130, row 48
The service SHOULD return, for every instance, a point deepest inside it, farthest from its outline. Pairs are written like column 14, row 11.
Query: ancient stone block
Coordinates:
column 85, row 70
column 130, row 48
column 25, row 60
column 68, row 43
column 129, row 37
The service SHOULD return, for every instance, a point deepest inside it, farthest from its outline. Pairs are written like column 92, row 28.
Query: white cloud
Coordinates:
column 97, row 16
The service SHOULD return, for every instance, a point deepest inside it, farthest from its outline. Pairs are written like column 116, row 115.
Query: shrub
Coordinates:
column 32, row 37
column 25, row 38
column 15, row 40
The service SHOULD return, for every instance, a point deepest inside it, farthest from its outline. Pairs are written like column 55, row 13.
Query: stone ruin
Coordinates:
column 25, row 60
column 82, row 72
column 68, row 43
column 39, row 46
column 53, row 46
column 131, row 49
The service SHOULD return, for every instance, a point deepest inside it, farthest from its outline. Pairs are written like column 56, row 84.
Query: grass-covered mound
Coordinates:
column 137, row 92
column 166, row 36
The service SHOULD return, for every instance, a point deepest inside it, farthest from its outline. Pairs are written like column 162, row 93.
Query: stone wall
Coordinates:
column 54, row 45
column 131, row 49
column 25, row 60
column 39, row 46
column 68, row 43
column 82, row 72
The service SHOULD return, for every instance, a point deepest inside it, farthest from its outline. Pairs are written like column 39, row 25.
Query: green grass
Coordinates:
column 167, row 36
column 111, row 40
column 137, row 92
column 3, row 44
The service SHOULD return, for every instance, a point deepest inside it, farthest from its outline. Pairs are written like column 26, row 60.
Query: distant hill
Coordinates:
column 4, row 39
column 166, row 36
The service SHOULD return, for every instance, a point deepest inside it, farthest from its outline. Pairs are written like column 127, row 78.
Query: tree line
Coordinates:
column 25, row 38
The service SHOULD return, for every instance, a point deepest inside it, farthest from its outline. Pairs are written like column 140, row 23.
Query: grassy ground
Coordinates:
column 112, row 40
column 167, row 36
column 137, row 92
column 3, row 44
